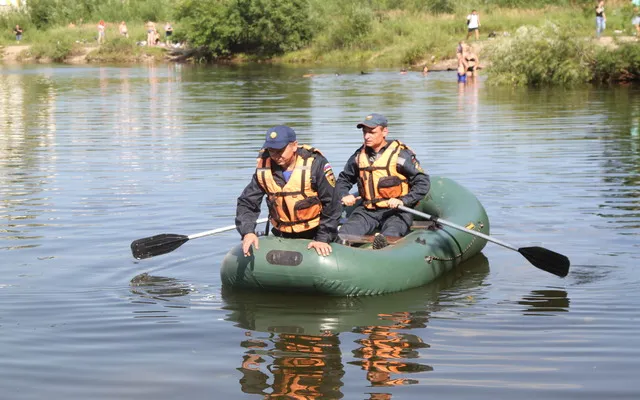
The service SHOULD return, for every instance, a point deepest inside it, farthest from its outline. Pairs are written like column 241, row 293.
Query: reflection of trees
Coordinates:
column 26, row 145
column 237, row 98
column 621, row 162
column 304, row 366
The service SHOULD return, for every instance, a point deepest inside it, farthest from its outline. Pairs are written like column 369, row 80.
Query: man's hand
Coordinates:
column 349, row 200
column 248, row 240
column 323, row 249
column 395, row 203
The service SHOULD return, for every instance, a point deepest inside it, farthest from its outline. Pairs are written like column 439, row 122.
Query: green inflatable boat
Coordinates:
column 355, row 269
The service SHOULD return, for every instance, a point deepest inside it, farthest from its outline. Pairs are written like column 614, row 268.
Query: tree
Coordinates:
column 260, row 27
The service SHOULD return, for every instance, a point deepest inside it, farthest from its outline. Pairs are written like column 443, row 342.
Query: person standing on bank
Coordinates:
column 168, row 31
column 601, row 19
column 18, row 32
column 388, row 175
column 473, row 24
column 299, row 184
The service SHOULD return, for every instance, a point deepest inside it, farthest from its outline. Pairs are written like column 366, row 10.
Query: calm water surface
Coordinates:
column 95, row 157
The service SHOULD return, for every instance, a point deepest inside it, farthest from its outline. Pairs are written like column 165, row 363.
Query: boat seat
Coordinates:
column 350, row 240
column 430, row 225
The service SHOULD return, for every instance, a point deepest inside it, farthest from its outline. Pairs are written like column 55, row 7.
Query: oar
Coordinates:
column 167, row 242
column 540, row 257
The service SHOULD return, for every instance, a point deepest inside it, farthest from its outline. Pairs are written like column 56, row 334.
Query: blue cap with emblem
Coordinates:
column 373, row 120
column 279, row 137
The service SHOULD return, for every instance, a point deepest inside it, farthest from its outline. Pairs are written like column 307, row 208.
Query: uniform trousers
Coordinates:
column 391, row 222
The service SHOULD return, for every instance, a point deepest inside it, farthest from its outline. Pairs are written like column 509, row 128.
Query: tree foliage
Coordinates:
column 260, row 27
column 46, row 13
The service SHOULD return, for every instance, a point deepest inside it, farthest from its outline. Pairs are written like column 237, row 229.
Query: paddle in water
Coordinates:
column 167, row 242
column 545, row 259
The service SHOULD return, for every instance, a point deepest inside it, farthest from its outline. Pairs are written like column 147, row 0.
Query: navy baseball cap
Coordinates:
column 373, row 120
column 279, row 137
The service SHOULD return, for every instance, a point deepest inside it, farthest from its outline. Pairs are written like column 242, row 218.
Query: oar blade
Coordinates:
column 157, row 245
column 547, row 260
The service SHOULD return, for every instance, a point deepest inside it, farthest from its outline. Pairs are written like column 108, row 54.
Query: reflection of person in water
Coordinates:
column 383, row 350
column 305, row 367
column 253, row 380
column 311, row 369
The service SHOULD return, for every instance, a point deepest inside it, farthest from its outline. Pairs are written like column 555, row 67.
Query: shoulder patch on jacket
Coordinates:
column 328, row 174
column 416, row 164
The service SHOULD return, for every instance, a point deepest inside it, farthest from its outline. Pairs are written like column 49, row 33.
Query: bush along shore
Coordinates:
column 548, row 43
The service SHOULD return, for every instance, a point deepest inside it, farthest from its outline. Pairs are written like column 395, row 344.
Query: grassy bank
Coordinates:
column 533, row 46
column 403, row 38
column 64, row 44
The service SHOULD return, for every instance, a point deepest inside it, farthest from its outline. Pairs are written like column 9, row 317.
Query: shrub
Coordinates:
column 621, row 64
column 540, row 56
column 262, row 27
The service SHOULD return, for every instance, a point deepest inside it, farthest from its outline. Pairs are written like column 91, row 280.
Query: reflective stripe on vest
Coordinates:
column 294, row 207
column 380, row 180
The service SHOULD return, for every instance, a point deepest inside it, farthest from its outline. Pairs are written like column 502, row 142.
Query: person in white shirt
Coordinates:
column 473, row 24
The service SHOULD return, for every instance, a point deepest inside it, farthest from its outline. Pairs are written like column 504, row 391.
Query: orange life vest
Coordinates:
column 381, row 180
column 294, row 207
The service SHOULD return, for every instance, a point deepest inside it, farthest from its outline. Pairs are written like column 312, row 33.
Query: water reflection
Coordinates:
column 302, row 350
column 545, row 302
column 25, row 133
column 621, row 163
column 158, row 294
column 384, row 351
column 303, row 367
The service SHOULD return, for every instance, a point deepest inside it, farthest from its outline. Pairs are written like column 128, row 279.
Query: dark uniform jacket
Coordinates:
column 322, row 181
column 408, row 165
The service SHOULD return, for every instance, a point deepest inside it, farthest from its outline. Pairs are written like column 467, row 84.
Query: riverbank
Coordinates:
column 88, row 54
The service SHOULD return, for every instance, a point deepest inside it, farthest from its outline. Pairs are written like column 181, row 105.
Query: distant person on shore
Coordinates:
column 101, row 29
column 636, row 16
column 460, row 49
column 601, row 18
column 168, row 31
column 124, row 31
column 473, row 24
column 18, row 32
column 472, row 60
column 462, row 68
column 151, row 33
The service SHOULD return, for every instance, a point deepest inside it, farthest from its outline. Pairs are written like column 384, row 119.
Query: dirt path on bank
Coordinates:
column 10, row 53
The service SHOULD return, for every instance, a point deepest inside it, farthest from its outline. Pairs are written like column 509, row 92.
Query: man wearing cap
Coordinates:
column 299, row 184
column 388, row 175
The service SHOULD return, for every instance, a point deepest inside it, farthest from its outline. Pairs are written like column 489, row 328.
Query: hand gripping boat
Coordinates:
column 427, row 252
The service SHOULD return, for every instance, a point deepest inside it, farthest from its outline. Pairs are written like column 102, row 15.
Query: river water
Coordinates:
column 95, row 157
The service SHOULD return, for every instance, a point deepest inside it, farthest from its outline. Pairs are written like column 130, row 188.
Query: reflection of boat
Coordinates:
column 301, row 358
column 305, row 314
column 418, row 258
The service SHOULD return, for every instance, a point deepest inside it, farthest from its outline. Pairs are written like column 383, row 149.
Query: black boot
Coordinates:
column 379, row 242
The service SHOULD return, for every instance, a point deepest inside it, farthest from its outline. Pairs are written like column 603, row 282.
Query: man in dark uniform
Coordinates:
column 299, row 184
column 388, row 175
